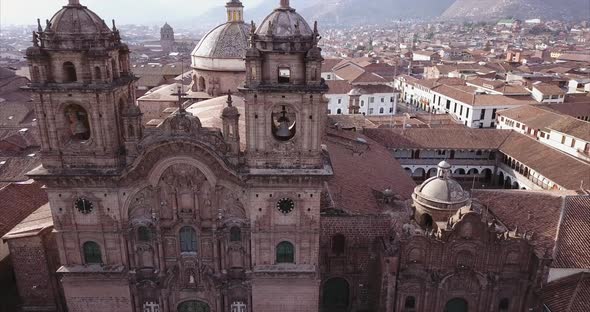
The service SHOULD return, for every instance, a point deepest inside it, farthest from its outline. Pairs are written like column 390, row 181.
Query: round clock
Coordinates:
column 285, row 205
column 83, row 205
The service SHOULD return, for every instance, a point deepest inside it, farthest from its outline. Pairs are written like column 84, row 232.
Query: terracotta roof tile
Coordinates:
column 573, row 243
column 361, row 168
column 530, row 211
column 440, row 138
column 547, row 161
column 17, row 201
column 329, row 64
column 568, row 294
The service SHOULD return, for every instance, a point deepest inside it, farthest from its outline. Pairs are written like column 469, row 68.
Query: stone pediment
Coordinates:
column 183, row 125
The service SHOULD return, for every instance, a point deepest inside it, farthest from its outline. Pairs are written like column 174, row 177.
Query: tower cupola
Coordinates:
column 235, row 11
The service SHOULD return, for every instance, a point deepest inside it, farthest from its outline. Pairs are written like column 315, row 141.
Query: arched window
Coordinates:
column 339, row 111
column 188, row 239
column 235, row 234
column 381, row 110
column 504, row 305
column 92, row 253
column 143, row 234
column 285, row 253
column 410, row 302
column 338, row 244
column 427, row 221
column 284, row 75
column 202, row 85
column 69, row 72
column 77, row 125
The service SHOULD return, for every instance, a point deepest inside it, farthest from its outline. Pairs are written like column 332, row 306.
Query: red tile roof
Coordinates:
column 547, row 161
column 445, row 138
column 361, row 168
column 568, row 294
column 573, row 242
column 18, row 201
column 530, row 211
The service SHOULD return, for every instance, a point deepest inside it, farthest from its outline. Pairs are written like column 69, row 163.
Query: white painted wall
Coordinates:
column 381, row 104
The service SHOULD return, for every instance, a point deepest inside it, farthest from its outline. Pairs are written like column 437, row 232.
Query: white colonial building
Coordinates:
column 373, row 100
column 562, row 132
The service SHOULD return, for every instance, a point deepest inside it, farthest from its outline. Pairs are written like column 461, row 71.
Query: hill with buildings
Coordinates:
column 495, row 9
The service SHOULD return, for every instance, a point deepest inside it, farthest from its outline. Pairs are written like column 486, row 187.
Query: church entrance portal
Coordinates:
column 193, row 306
column 456, row 305
column 336, row 295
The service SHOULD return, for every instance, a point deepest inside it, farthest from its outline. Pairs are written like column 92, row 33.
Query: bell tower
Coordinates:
column 83, row 91
column 285, row 106
column 285, row 111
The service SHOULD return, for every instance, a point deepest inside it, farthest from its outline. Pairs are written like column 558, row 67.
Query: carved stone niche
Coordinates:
column 184, row 191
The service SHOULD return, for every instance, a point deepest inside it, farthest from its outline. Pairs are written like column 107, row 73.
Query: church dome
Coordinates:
column 439, row 197
column 223, row 48
column 75, row 18
column 284, row 22
column 442, row 190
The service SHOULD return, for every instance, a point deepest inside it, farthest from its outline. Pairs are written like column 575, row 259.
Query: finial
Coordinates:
column 39, row 28
column 48, row 25
column 252, row 27
column 315, row 27
column 229, row 99
column 35, row 39
column 114, row 26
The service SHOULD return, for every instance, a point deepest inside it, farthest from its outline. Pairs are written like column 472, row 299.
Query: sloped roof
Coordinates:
column 573, row 243
column 547, row 161
column 568, row 294
column 17, row 201
column 36, row 222
column 361, row 168
column 440, row 138
column 532, row 211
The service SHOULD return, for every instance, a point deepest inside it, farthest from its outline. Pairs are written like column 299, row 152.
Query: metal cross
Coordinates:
column 180, row 94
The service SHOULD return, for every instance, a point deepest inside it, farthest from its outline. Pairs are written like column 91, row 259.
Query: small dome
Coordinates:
column 442, row 188
column 284, row 22
column 229, row 40
column 77, row 19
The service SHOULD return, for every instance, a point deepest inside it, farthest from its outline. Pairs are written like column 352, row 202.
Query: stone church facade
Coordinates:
column 182, row 218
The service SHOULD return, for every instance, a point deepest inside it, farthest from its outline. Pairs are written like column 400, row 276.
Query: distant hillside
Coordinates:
column 496, row 9
column 374, row 11
column 216, row 16
column 337, row 11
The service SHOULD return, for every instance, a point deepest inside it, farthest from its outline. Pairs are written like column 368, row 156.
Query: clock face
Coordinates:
column 83, row 205
column 285, row 205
